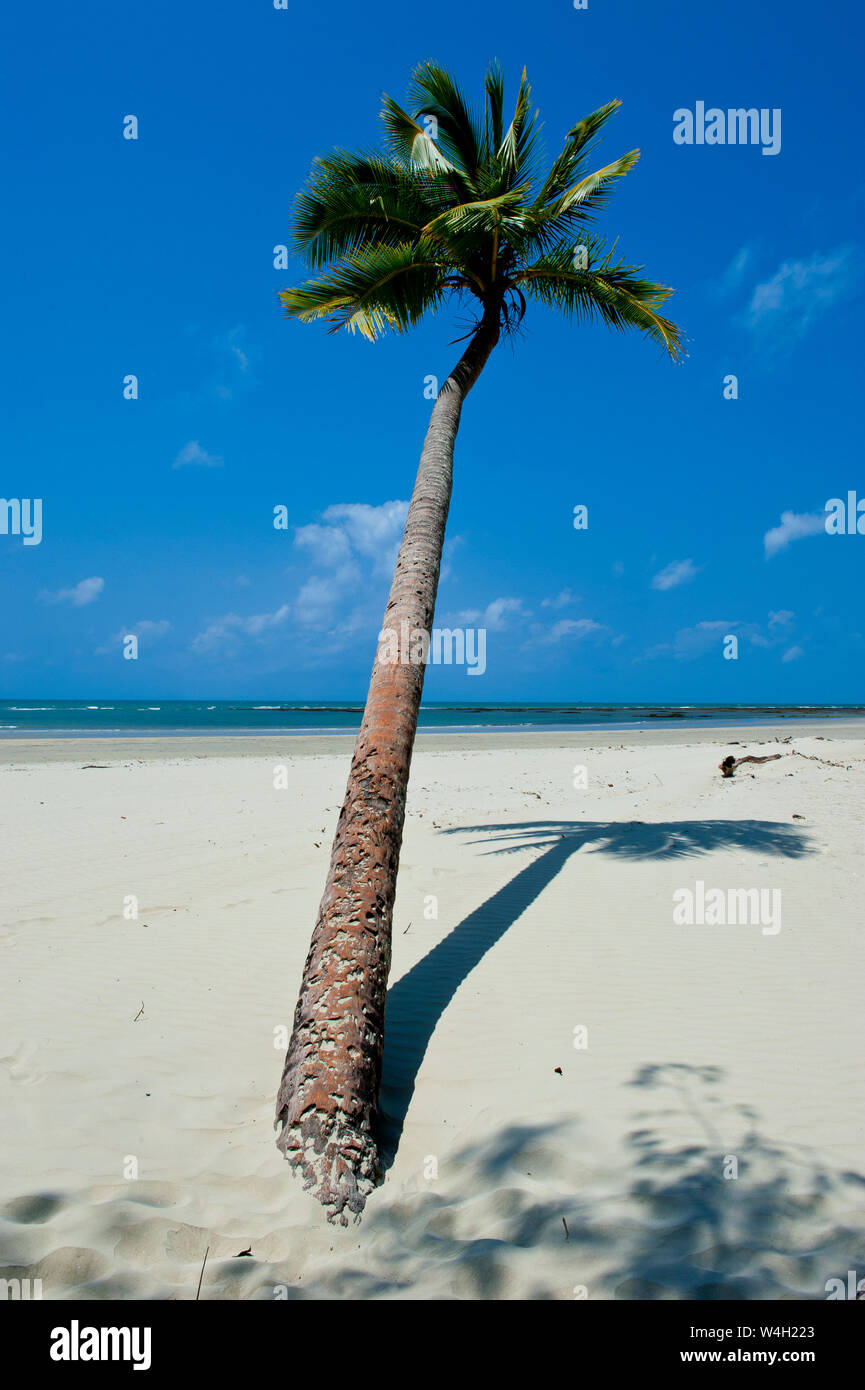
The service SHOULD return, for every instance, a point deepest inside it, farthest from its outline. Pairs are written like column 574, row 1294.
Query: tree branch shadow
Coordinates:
column 702, row 1204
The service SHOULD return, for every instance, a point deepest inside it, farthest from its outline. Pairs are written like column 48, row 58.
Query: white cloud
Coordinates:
column 217, row 633
column 260, row 622
column 569, row 627
column 692, row 642
column 192, row 455
column 792, row 654
column 85, row 591
column 371, row 531
column 677, row 572
column 494, row 617
column 793, row 526
column 328, row 545
column 323, row 595
column 232, row 362
column 350, row 535
column 800, row 291
column 352, row 548
column 561, row 600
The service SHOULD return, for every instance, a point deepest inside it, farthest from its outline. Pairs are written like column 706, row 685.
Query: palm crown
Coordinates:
column 460, row 206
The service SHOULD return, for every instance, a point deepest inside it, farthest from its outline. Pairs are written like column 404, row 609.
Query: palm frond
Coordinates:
column 613, row 293
column 494, row 86
column 434, row 93
column 353, row 200
column 482, row 214
column 587, row 196
column 580, row 142
column 374, row 288
column 519, row 146
column 408, row 140
column 455, row 204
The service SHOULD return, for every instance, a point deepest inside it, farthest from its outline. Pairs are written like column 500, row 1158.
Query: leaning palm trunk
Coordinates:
column 461, row 212
column 328, row 1099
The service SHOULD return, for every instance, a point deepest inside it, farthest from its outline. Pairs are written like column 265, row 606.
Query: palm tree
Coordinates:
column 455, row 206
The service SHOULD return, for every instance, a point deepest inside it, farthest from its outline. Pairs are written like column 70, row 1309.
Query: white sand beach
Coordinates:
column 583, row 1096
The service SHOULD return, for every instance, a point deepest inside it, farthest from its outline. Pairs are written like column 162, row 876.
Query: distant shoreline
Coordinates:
column 29, row 719
column 275, row 744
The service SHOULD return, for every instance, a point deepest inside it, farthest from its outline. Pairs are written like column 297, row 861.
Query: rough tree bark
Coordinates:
column 328, row 1099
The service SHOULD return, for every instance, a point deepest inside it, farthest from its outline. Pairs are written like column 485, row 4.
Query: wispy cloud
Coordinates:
column 148, row 628
column 215, row 635
column 85, row 591
column 324, row 595
column 351, row 552
column 232, row 342
column 792, row 654
column 575, row 628
column 782, row 618
column 193, row 456
column 733, row 276
column 790, row 301
column 689, row 643
column 496, row 617
column 793, row 527
column 561, row 600
column 677, row 572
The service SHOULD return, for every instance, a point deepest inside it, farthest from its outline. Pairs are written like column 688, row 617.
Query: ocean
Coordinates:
column 107, row 718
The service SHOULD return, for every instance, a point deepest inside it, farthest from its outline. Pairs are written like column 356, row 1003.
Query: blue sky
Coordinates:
column 155, row 257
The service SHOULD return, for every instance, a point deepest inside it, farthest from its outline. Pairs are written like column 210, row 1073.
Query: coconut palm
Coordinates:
column 456, row 206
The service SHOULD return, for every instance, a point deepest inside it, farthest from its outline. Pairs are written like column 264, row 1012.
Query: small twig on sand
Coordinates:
column 201, row 1275
column 812, row 758
column 729, row 765
column 407, row 928
column 140, row 1012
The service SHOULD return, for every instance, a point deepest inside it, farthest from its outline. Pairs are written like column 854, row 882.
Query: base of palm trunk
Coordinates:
column 339, row 1164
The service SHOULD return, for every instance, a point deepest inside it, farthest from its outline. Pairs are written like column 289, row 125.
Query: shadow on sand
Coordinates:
column 417, row 1001
column 701, row 1205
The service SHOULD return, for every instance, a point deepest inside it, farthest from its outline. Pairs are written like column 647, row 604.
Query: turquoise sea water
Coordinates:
column 28, row 718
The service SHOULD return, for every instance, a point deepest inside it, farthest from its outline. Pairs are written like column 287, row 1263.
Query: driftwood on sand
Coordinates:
column 729, row 765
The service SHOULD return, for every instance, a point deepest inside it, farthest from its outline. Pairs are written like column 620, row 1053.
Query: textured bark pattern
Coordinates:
column 328, row 1100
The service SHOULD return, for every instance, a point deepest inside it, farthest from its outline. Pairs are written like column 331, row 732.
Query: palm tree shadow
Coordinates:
column 417, row 1001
